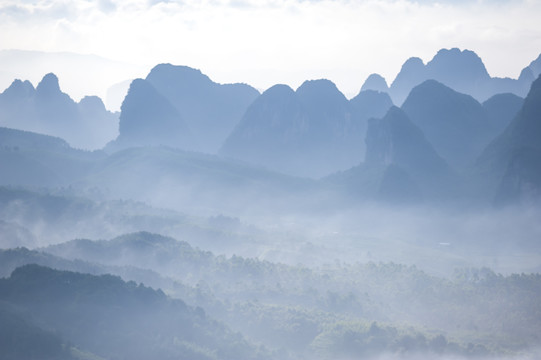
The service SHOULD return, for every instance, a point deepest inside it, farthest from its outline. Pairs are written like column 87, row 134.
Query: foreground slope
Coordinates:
column 298, row 307
column 115, row 319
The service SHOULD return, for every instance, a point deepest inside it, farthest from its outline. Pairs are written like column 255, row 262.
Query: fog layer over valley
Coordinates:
column 215, row 221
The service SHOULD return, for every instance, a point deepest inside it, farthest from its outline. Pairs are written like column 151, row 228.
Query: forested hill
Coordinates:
column 117, row 320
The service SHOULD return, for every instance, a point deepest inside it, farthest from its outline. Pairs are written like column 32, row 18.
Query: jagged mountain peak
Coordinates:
column 20, row 88
column 454, row 65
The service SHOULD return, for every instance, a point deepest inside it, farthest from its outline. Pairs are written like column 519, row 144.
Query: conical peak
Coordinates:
column 48, row 85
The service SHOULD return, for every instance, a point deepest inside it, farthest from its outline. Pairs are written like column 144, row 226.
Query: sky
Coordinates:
column 265, row 42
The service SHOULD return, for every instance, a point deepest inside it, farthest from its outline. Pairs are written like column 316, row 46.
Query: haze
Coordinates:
column 274, row 180
column 263, row 43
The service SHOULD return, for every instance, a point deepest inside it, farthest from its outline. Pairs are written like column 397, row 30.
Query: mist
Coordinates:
column 214, row 221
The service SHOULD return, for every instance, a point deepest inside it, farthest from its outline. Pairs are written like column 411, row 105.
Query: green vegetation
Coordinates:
column 116, row 319
column 322, row 312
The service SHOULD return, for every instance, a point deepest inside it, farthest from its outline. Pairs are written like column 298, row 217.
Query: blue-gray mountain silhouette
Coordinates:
column 375, row 82
column 210, row 110
column 47, row 110
column 147, row 118
column 370, row 104
column 463, row 71
column 105, row 316
column 501, row 109
column 400, row 164
column 455, row 124
column 395, row 140
column 313, row 131
column 513, row 160
column 36, row 160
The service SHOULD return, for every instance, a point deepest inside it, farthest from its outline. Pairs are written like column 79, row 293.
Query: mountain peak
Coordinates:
column 321, row 90
column 92, row 103
column 535, row 67
column 453, row 63
column 180, row 73
column 375, row 82
column 20, row 88
column 48, row 85
column 455, row 124
column 278, row 90
column 413, row 64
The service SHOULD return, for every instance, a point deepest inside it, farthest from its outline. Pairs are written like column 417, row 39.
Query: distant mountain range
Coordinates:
column 513, row 159
column 47, row 110
column 174, row 122
column 311, row 132
column 81, row 74
column 463, row 71
column 180, row 107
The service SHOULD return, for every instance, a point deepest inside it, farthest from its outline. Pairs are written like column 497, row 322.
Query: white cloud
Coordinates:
column 287, row 41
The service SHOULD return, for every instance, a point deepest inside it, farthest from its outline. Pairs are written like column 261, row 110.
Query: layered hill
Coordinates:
column 147, row 118
column 110, row 318
column 160, row 175
column 182, row 108
column 455, row 124
column 312, row 131
column 47, row 110
column 183, row 180
column 512, row 161
column 30, row 159
column 400, row 164
column 461, row 70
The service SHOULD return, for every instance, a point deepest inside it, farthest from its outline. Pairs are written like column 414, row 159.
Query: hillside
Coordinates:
column 112, row 318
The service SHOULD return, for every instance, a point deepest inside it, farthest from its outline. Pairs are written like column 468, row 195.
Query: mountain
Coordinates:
column 397, row 144
column 30, row 159
column 308, row 132
column 370, row 104
column 375, row 82
column 455, row 124
column 461, row 70
column 501, row 109
column 210, row 110
column 411, row 74
column 147, row 118
column 148, row 251
column 512, row 160
column 400, row 164
column 81, row 74
column 47, row 110
column 20, row 339
column 111, row 318
column 193, row 182
column 535, row 67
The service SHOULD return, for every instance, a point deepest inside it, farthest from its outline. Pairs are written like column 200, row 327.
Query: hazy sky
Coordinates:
column 264, row 42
